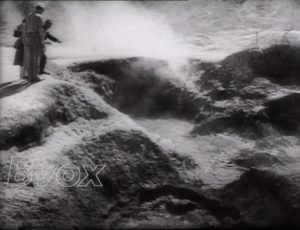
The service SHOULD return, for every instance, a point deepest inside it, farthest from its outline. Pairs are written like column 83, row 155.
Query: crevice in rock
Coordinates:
column 215, row 206
column 143, row 87
column 180, row 209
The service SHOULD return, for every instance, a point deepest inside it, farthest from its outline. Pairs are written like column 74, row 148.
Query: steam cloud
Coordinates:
column 96, row 29
column 115, row 29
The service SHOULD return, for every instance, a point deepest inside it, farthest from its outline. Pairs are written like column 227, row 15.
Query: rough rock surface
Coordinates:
column 263, row 198
column 143, row 86
column 251, row 93
column 68, row 121
column 58, row 125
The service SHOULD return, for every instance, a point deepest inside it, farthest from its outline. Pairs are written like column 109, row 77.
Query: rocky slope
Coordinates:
column 58, row 124
column 253, row 94
column 77, row 117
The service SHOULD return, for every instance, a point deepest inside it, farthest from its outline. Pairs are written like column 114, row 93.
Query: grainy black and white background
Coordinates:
column 190, row 110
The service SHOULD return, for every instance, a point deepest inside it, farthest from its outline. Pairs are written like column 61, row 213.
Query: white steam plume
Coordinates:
column 10, row 18
column 114, row 29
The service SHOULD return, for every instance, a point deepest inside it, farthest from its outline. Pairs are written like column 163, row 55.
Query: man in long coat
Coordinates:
column 33, row 42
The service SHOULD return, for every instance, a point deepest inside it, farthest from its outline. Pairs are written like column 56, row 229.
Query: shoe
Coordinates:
column 43, row 72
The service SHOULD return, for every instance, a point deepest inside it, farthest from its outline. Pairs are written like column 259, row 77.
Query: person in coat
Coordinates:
column 43, row 61
column 19, row 46
column 34, row 36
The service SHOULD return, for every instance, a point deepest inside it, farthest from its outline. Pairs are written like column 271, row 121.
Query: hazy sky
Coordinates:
column 155, row 29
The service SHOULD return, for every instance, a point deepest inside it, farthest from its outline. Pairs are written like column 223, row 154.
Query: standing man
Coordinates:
column 43, row 61
column 33, row 42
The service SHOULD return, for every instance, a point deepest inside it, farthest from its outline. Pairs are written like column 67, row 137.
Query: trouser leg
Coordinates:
column 21, row 72
column 24, row 66
column 31, row 65
column 35, row 63
column 34, row 54
column 43, row 63
column 25, row 59
column 28, row 61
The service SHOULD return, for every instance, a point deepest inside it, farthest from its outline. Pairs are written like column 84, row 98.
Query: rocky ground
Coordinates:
column 79, row 116
column 250, row 90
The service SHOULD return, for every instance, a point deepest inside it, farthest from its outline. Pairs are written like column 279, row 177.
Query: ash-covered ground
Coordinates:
column 186, row 113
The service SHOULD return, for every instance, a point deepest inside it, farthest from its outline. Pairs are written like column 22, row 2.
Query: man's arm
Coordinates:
column 52, row 38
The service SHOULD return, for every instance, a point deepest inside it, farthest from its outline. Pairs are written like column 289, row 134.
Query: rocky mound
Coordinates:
column 280, row 64
column 251, row 93
column 142, row 86
column 247, row 93
column 71, row 160
column 56, row 136
column 263, row 198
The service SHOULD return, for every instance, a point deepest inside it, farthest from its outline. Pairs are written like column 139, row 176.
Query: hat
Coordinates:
column 40, row 5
